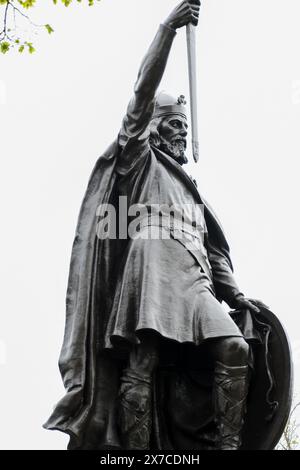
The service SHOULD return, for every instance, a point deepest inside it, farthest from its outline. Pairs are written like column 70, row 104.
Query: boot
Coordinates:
column 135, row 410
column 230, row 395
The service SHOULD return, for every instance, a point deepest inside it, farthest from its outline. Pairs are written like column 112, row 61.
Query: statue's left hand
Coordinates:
column 242, row 302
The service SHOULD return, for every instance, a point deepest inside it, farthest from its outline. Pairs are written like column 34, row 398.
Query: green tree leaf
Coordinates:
column 4, row 47
column 49, row 28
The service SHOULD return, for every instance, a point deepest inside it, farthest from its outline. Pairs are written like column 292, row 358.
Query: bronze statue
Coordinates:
column 151, row 359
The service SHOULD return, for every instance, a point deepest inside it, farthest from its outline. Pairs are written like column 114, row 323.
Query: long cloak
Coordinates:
column 87, row 411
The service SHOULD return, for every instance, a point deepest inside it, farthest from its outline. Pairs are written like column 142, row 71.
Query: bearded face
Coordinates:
column 173, row 133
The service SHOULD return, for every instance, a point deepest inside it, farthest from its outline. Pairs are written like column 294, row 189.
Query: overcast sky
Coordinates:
column 62, row 106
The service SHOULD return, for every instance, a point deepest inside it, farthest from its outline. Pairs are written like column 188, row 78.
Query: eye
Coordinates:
column 175, row 124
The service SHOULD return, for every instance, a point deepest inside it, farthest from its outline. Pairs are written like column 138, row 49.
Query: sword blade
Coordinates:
column 191, row 50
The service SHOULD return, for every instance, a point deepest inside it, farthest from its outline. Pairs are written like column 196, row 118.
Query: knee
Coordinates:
column 144, row 359
column 148, row 362
column 233, row 351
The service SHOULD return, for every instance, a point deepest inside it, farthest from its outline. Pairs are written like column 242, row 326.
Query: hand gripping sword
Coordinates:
column 191, row 49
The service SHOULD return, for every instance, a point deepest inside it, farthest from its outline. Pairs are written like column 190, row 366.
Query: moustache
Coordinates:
column 179, row 141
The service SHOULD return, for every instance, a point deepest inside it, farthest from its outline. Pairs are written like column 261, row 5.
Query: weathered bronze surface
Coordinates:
column 150, row 359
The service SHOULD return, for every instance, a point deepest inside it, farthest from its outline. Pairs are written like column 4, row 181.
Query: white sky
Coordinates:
column 61, row 107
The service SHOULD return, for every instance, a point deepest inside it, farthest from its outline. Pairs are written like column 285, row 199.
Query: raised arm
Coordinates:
column 141, row 106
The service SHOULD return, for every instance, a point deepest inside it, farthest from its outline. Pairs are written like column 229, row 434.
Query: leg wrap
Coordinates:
column 230, row 395
column 135, row 410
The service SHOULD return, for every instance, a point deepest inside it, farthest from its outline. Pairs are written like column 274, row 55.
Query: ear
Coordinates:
column 155, row 138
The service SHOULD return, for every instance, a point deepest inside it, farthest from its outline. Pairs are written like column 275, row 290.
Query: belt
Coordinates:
column 189, row 230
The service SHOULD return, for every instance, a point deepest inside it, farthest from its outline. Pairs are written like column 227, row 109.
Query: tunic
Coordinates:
column 164, row 285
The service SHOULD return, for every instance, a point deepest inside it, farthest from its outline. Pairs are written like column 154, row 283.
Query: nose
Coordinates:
column 183, row 131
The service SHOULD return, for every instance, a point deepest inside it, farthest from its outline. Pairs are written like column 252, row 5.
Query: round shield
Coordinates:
column 270, row 394
column 185, row 414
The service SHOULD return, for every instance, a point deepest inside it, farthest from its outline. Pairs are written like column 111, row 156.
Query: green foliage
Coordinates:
column 49, row 28
column 10, row 37
column 4, row 47
column 27, row 3
column 290, row 437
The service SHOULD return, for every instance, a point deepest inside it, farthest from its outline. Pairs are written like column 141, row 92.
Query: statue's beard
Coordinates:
column 175, row 149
